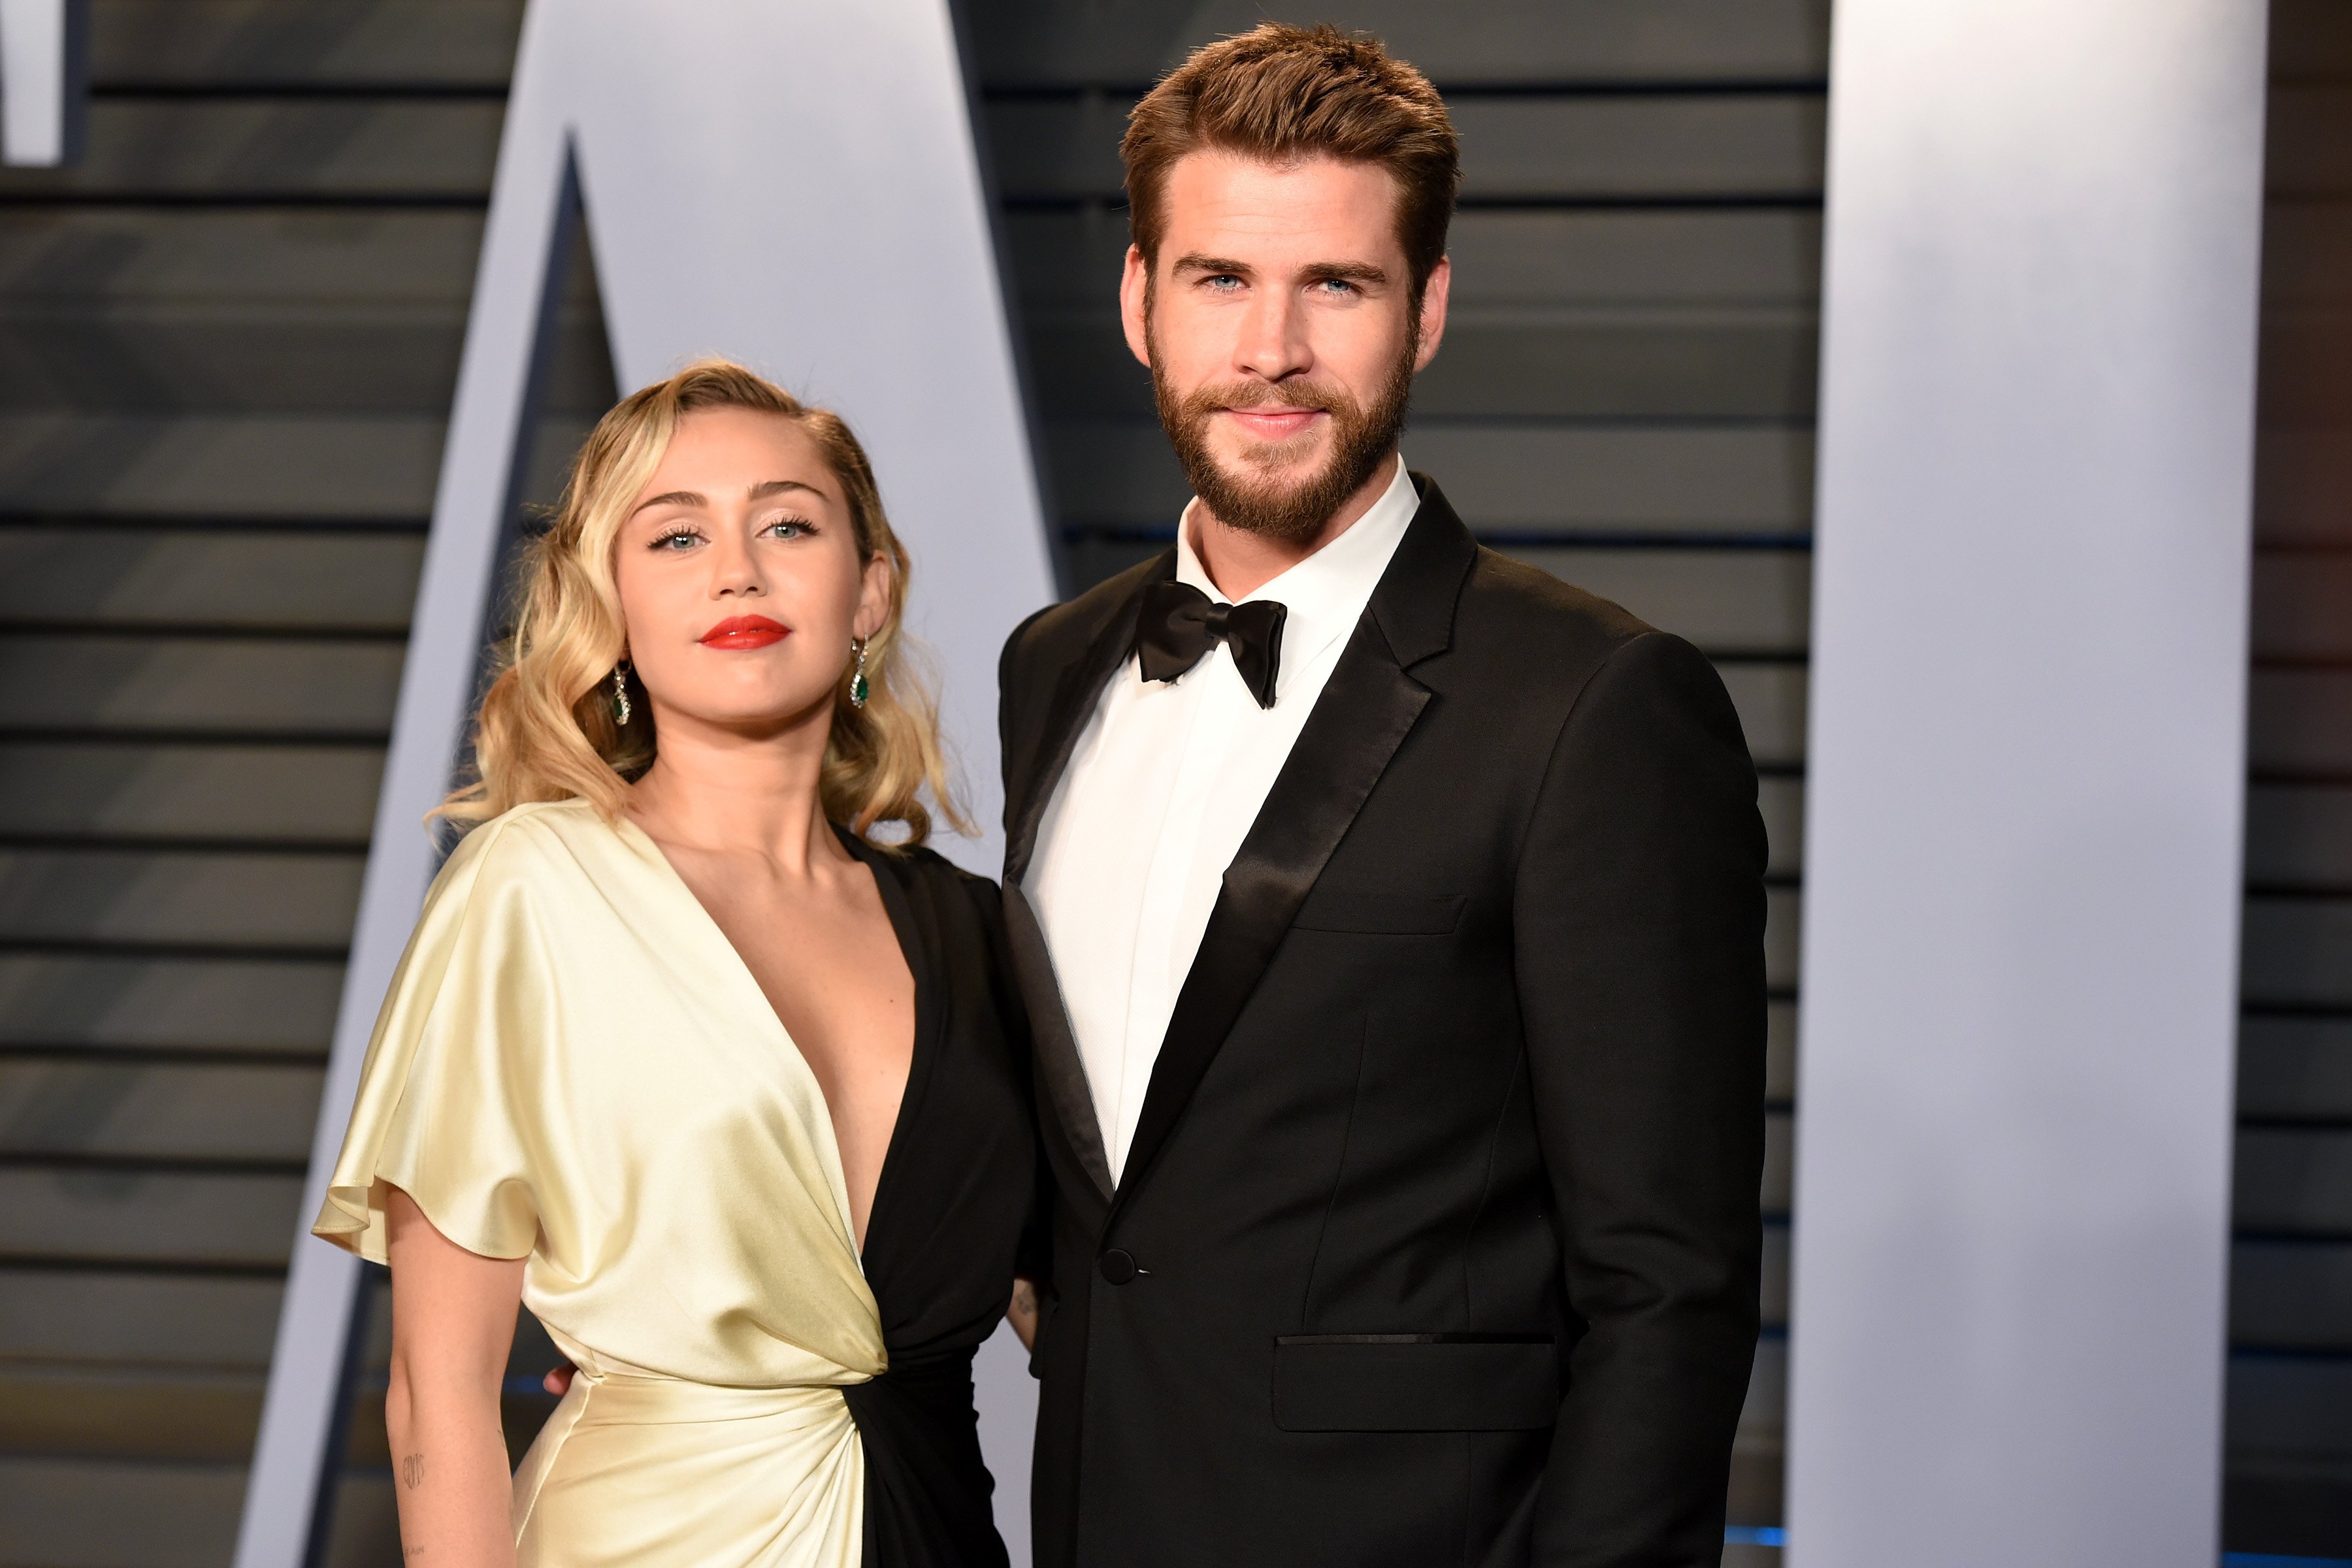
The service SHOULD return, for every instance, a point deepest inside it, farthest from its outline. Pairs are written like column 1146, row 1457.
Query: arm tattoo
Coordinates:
column 1025, row 1298
column 412, row 1470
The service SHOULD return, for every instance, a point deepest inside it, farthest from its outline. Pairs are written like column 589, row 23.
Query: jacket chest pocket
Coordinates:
column 1378, row 914
column 1415, row 1383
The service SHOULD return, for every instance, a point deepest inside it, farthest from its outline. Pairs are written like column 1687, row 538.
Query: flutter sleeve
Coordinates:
column 449, row 1094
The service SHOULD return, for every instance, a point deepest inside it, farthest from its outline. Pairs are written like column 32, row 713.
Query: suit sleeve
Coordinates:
column 1640, row 926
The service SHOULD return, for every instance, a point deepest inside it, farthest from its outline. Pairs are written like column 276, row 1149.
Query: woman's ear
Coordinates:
column 873, row 597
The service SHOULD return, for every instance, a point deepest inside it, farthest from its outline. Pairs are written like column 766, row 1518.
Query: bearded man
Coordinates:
column 1390, row 918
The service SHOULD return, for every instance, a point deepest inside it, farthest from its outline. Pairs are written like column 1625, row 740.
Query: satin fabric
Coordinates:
column 573, row 1066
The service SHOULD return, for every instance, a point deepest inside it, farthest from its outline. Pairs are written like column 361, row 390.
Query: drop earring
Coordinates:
column 857, row 677
column 621, row 692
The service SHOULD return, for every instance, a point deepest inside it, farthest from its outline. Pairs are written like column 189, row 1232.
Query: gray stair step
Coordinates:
column 1529, row 478
column 189, row 1413
column 2299, row 599
column 1660, row 364
column 258, row 149
column 1537, row 147
column 270, row 43
column 147, row 1110
column 2294, row 1179
column 2303, row 353
column 95, row 1514
column 281, row 1006
column 1783, row 918
column 1731, row 602
column 1081, row 41
column 198, row 1217
column 2309, row 144
column 2303, row 486
column 2296, row 1068
column 318, row 795
column 2297, row 952
column 2304, row 244
column 2291, row 1295
column 179, row 898
column 225, row 355
column 1770, row 698
column 1780, row 801
column 2299, row 836
column 1780, row 1050
column 2296, row 722
column 2300, row 1405
column 285, row 466
column 1779, row 1161
column 157, row 1320
column 128, row 1513
column 145, row 255
column 1503, row 257
column 125, row 685
column 95, row 577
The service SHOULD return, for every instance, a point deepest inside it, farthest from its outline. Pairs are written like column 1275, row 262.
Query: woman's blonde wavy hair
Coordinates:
column 546, row 729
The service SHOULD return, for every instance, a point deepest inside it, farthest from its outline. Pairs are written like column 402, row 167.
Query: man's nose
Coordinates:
column 1273, row 339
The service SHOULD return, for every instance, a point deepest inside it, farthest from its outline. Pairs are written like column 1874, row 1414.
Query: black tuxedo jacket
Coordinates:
column 1437, row 1242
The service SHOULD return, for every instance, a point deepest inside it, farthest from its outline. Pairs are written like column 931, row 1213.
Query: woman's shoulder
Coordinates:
column 538, row 843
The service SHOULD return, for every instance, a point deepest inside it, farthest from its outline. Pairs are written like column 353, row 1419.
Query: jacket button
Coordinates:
column 1118, row 1265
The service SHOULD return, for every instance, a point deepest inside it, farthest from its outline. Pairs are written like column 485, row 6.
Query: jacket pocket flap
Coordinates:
column 1415, row 1383
column 1383, row 914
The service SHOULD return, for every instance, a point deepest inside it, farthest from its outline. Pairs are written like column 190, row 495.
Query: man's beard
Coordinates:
column 1263, row 499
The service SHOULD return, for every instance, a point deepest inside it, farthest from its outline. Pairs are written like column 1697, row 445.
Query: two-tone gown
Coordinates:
column 573, row 1066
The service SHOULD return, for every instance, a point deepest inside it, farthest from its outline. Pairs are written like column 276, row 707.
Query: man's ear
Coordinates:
column 1433, row 312
column 1134, row 292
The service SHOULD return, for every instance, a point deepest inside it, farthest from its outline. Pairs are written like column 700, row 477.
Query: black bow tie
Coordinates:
column 1181, row 625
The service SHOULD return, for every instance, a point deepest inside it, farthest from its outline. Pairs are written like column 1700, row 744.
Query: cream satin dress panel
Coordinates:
column 574, row 1065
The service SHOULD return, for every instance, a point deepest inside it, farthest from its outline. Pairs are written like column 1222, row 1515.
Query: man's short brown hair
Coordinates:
column 1282, row 93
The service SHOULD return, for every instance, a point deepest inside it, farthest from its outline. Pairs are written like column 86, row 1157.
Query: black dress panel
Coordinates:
column 954, row 1202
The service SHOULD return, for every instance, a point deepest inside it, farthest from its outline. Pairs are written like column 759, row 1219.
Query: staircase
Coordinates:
column 228, row 341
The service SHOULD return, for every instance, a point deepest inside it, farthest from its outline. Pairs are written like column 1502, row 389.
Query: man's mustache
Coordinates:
column 1317, row 398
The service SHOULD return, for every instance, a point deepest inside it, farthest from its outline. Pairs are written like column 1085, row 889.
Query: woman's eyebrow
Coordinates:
column 767, row 488
column 670, row 498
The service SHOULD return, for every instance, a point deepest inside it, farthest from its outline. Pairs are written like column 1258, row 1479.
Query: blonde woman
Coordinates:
column 731, row 1094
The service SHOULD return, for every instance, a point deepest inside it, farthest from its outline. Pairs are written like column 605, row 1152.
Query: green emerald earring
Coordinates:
column 858, row 689
column 621, row 692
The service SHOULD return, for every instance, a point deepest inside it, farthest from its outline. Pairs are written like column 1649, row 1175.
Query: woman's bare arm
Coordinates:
column 1023, row 1313
column 453, row 1320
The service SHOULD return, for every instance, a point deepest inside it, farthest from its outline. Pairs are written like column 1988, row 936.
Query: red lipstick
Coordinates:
column 745, row 632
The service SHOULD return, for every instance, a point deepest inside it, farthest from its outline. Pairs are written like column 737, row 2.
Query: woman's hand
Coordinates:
column 1023, row 1313
column 453, row 1322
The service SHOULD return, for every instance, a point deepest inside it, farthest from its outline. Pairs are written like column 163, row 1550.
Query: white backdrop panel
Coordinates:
column 2025, row 782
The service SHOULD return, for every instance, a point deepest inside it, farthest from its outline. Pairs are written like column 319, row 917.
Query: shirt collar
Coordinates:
column 1324, row 594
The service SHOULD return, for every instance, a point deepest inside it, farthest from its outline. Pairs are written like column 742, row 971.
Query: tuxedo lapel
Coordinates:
column 1061, row 1071
column 1075, row 691
column 1362, row 717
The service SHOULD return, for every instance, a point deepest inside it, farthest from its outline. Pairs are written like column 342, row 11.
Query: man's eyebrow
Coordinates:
column 1212, row 264
column 670, row 498
column 1347, row 271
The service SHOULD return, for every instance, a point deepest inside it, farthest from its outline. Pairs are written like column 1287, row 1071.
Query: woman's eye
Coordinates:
column 789, row 528
column 677, row 539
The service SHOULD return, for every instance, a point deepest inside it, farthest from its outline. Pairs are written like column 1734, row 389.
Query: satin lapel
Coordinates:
column 1363, row 716
column 1061, row 1071
column 1075, row 693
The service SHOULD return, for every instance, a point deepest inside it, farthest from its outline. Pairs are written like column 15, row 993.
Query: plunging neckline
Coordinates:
column 911, row 952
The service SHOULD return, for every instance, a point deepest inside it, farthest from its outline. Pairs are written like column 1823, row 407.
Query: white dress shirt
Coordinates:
column 1161, row 789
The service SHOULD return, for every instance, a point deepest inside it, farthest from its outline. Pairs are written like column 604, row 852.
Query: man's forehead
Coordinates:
column 1313, row 203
